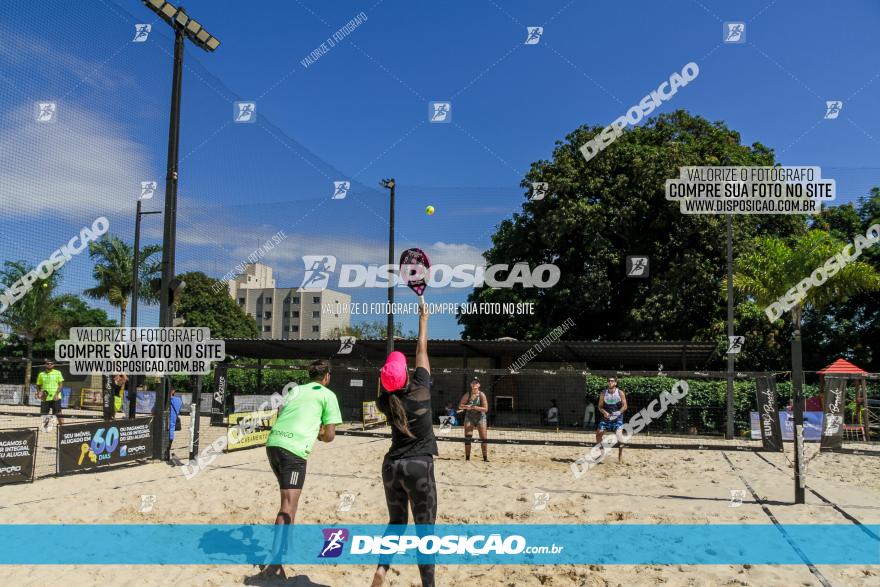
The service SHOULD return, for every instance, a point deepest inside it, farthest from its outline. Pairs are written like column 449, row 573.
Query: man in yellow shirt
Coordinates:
column 49, row 390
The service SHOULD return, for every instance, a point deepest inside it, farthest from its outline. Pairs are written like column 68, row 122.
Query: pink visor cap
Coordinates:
column 393, row 374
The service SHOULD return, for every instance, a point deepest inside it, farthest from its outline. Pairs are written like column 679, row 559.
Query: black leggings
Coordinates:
column 409, row 483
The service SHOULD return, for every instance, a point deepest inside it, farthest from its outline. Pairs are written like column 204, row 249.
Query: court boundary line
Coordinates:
column 836, row 507
column 815, row 571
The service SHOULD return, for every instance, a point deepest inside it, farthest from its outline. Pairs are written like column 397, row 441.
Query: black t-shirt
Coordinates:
column 417, row 402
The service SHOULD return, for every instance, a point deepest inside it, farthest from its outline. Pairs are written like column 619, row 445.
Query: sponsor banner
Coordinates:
column 107, row 398
column 249, row 403
column 372, row 415
column 812, row 425
column 144, row 401
column 91, row 399
column 835, row 404
column 18, row 451
column 98, row 444
column 218, row 403
column 771, row 433
column 475, row 544
column 11, row 395
column 249, row 429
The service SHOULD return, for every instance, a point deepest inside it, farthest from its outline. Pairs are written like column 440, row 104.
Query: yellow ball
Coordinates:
column 429, row 210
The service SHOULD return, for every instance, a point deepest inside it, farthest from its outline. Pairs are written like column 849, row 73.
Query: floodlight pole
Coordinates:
column 135, row 295
column 730, row 356
column 169, row 234
column 797, row 375
column 389, row 337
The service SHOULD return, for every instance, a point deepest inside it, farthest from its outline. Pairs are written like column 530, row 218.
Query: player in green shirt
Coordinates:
column 310, row 413
column 49, row 390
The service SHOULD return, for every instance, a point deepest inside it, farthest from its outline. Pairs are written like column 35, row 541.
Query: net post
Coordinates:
column 195, row 417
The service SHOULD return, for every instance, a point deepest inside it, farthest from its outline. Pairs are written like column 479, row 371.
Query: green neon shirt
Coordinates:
column 50, row 382
column 307, row 408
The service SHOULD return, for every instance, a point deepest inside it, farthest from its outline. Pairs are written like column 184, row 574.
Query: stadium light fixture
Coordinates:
column 184, row 27
column 181, row 21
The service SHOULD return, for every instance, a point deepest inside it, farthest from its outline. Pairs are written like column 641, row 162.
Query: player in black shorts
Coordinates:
column 408, row 467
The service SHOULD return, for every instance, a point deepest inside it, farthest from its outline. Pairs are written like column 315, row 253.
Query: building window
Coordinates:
column 240, row 301
column 268, row 300
column 295, row 299
column 267, row 315
column 294, row 328
column 316, row 299
column 315, row 329
column 295, row 313
column 316, row 315
column 267, row 329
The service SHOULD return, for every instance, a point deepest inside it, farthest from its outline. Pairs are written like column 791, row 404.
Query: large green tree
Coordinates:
column 599, row 212
column 114, row 260
column 35, row 316
column 201, row 305
column 850, row 328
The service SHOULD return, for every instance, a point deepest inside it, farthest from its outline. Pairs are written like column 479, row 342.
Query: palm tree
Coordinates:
column 33, row 317
column 114, row 259
column 772, row 266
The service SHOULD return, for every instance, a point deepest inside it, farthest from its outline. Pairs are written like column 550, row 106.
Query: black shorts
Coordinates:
column 54, row 405
column 288, row 468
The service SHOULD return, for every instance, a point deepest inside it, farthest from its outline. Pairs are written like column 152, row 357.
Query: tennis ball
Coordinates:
column 429, row 210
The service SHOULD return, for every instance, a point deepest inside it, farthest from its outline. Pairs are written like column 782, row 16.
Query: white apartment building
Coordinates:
column 287, row 312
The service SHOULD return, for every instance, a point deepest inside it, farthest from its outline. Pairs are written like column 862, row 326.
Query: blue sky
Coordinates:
column 359, row 113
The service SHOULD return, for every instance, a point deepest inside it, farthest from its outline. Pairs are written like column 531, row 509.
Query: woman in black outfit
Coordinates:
column 408, row 467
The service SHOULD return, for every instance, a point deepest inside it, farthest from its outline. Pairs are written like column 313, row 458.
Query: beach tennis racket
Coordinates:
column 414, row 267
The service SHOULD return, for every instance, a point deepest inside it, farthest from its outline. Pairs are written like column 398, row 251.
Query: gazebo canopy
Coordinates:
column 842, row 367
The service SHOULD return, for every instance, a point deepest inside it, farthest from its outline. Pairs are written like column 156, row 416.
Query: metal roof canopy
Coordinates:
column 609, row 354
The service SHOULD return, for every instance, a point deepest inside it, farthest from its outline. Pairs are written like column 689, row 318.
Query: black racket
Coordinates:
column 414, row 269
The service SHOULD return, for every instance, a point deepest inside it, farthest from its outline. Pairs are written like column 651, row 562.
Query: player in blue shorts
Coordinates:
column 612, row 406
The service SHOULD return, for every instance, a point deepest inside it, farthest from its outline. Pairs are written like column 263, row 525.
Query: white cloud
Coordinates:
column 80, row 166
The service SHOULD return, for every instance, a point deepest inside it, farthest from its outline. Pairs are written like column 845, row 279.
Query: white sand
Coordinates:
column 651, row 486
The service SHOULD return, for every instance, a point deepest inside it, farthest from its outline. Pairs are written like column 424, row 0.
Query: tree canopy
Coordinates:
column 201, row 306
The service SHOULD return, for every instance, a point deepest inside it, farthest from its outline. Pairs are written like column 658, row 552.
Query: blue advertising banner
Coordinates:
column 624, row 544
column 144, row 402
column 812, row 425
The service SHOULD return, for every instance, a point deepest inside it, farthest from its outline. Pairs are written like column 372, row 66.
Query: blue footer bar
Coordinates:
column 630, row 544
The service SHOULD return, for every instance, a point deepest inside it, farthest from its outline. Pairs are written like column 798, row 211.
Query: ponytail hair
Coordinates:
column 393, row 408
